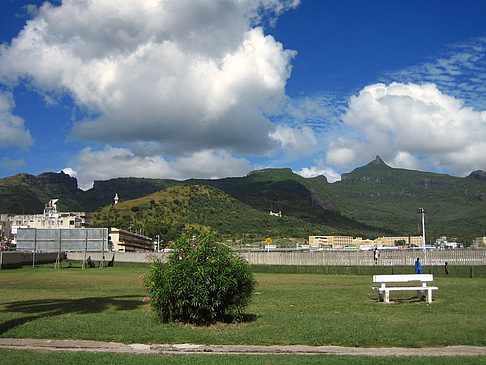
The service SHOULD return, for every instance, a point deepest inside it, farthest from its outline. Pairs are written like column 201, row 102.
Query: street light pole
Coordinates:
column 158, row 243
column 422, row 211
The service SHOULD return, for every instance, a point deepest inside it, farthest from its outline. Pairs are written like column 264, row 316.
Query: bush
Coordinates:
column 202, row 282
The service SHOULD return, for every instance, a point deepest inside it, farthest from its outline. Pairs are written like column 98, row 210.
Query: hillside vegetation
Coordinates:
column 372, row 200
column 168, row 211
column 377, row 194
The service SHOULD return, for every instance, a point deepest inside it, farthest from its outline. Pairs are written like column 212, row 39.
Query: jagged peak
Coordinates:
column 478, row 174
column 371, row 168
column 378, row 161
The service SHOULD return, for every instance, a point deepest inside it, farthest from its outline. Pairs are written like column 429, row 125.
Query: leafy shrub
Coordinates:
column 202, row 282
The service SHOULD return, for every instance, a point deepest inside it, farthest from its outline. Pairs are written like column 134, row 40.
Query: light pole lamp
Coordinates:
column 422, row 211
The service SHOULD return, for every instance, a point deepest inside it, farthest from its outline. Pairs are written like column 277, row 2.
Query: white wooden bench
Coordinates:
column 385, row 280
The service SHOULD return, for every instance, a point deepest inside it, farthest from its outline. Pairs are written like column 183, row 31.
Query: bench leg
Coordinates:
column 387, row 296
column 429, row 296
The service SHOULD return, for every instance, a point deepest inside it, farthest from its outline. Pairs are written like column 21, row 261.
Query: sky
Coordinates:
column 215, row 88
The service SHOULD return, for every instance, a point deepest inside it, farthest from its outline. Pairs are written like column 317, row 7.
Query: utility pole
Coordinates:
column 422, row 211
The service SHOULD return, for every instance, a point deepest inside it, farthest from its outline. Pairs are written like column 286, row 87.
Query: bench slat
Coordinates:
column 413, row 288
column 402, row 278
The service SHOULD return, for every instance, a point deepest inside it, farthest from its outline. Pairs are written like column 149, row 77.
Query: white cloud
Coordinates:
column 413, row 126
column 187, row 75
column 114, row 162
column 295, row 141
column 407, row 160
column 11, row 164
column 342, row 155
column 458, row 71
column 320, row 169
column 12, row 129
column 69, row 171
column 210, row 165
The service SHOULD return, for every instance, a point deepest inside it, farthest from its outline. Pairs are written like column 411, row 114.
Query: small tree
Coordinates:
column 202, row 281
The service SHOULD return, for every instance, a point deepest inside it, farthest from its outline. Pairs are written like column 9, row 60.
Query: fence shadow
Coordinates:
column 37, row 309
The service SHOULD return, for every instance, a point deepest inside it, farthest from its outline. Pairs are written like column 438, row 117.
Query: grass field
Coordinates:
column 62, row 358
column 106, row 304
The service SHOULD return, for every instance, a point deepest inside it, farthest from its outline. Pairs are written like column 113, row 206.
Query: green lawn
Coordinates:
column 62, row 358
column 106, row 304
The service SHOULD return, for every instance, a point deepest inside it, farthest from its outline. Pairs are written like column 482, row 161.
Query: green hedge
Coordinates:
column 455, row 271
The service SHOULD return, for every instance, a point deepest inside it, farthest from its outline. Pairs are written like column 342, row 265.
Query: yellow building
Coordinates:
column 330, row 241
column 359, row 241
column 126, row 241
column 480, row 241
column 347, row 241
column 399, row 241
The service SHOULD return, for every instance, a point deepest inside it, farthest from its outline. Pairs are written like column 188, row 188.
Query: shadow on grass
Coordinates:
column 413, row 299
column 37, row 309
column 240, row 318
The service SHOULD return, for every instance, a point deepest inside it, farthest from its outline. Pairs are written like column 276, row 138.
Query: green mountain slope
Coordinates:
column 103, row 192
column 374, row 195
column 378, row 194
column 168, row 211
column 24, row 193
column 282, row 190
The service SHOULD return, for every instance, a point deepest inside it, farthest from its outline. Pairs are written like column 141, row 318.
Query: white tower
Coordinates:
column 116, row 198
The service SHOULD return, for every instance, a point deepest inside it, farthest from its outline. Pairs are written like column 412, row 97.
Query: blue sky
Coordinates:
column 215, row 88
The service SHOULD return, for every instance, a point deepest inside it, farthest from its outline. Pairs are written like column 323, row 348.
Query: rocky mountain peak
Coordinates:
column 378, row 161
column 478, row 174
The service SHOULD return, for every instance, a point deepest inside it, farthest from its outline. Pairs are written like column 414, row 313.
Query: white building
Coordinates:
column 51, row 218
column 126, row 241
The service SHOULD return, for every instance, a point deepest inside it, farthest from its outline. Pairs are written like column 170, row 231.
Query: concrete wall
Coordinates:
column 119, row 256
column 468, row 257
column 12, row 259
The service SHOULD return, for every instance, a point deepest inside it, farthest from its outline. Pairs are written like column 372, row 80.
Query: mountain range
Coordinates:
column 372, row 200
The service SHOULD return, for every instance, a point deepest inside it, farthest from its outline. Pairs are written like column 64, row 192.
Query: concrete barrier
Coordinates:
column 460, row 257
column 141, row 257
column 13, row 260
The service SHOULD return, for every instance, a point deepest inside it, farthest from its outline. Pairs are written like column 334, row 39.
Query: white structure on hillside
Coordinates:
column 51, row 218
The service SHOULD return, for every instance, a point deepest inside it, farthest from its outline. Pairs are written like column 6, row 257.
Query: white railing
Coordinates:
column 466, row 257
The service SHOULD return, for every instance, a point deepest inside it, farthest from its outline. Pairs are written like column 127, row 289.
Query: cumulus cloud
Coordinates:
column 320, row 169
column 189, row 76
column 342, row 156
column 122, row 162
column 413, row 126
column 69, row 171
column 210, row 164
column 12, row 130
column 295, row 141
